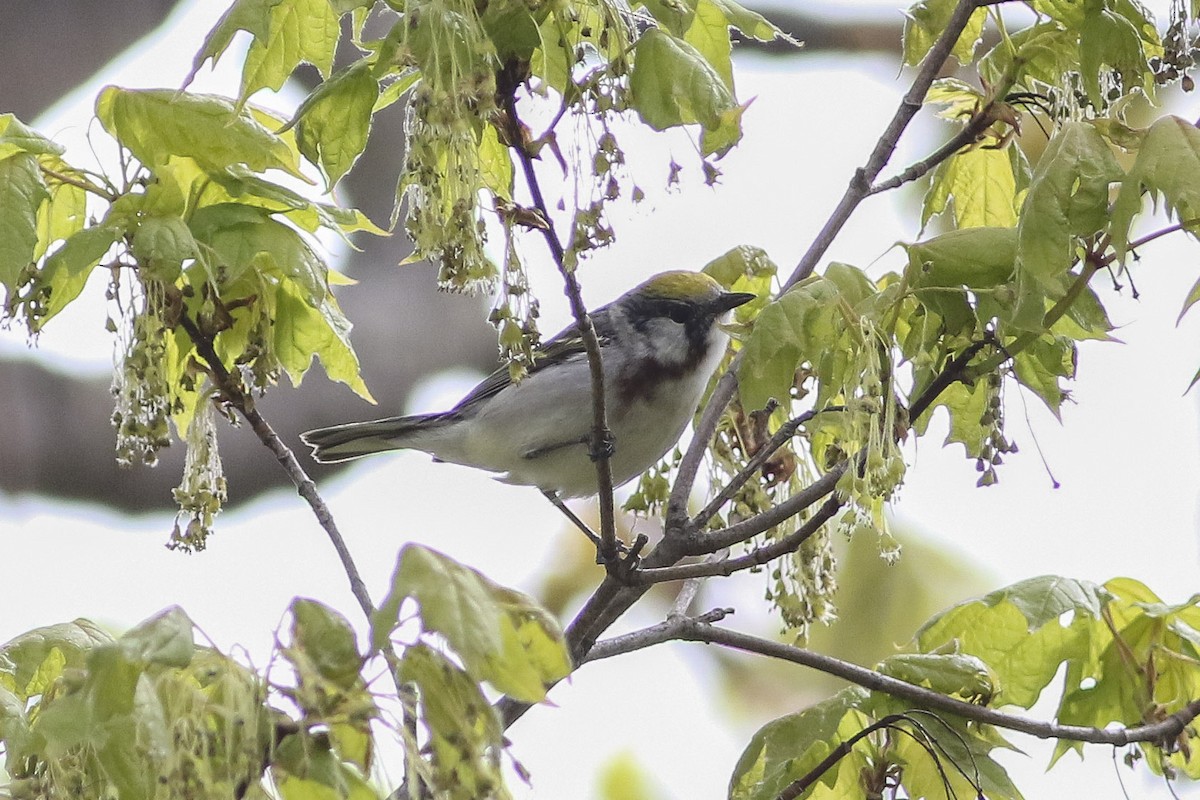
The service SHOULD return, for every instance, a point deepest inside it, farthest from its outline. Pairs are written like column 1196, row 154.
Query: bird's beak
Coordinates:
column 728, row 300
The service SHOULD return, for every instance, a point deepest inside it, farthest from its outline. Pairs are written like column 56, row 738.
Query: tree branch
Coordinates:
column 858, row 190
column 756, row 557
column 786, row 431
column 232, row 392
column 860, row 185
column 741, row 531
column 691, row 630
column 602, row 443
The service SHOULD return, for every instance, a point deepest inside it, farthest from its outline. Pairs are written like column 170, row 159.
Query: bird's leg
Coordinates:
column 553, row 497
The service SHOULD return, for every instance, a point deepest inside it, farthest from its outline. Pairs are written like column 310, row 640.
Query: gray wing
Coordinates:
column 566, row 344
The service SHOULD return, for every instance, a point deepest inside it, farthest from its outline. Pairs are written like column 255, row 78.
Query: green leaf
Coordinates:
column 977, row 258
column 957, row 742
column 158, row 124
column 303, row 331
column 1141, row 665
column 1167, row 166
column 329, row 684
column 66, row 271
column 1070, row 13
column 22, row 192
column 252, row 16
column 745, row 269
column 306, row 768
column 464, row 730
column 161, row 245
column 495, row 163
column 31, row 662
column 924, row 23
column 1109, row 39
column 512, row 29
column 238, row 237
column 966, row 405
column 749, row 22
column 16, row 137
column 946, row 673
column 980, row 185
column 1045, row 52
column 14, row 729
column 66, row 212
column 501, row 635
column 167, row 639
column 673, row 84
column 334, row 121
column 781, row 340
column 1042, row 364
column 709, row 34
column 787, row 748
column 1019, row 632
column 1067, row 197
column 300, row 31
column 236, row 183
column 327, row 639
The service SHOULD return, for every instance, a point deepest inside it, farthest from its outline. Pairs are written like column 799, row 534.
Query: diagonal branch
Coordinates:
column 755, row 558
column 232, row 392
column 602, row 437
column 786, row 431
column 696, row 629
column 1169, row 728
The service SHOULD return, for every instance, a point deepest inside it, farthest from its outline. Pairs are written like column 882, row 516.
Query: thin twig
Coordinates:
column 969, row 134
column 232, row 391
column 665, row 631
column 802, row 784
column 676, row 522
column 755, row 558
column 786, row 431
column 687, row 592
column 79, row 184
column 602, row 437
column 747, row 528
column 860, row 185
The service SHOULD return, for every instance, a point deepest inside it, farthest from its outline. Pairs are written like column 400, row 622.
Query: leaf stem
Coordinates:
column 70, row 180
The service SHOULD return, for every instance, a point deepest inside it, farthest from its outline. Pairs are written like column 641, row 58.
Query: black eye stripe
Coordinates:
column 676, row 311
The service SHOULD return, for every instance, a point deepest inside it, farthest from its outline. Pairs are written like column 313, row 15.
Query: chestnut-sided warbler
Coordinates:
column 659, row 345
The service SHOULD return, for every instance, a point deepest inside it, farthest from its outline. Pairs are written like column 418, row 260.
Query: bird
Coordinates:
column 660, row 343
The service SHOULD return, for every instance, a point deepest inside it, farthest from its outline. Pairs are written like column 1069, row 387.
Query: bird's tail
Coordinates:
column 357, row 439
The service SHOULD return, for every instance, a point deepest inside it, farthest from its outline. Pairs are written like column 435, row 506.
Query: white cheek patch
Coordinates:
column 668, row 341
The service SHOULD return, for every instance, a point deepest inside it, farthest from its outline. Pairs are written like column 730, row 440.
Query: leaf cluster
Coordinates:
column 1002, row 649
column 151, row 715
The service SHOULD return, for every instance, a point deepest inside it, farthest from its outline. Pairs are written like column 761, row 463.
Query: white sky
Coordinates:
column 1127, row 455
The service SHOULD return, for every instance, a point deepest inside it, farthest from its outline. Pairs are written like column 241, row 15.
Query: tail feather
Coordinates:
column 357, row 439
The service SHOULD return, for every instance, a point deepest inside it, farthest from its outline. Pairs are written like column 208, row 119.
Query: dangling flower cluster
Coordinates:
column 515, row 314
column 202, row 492
column 1179, row 48
column 140, row 385
column 443, row 172
column 803, row 585
column 871, row 421
column 995, row 446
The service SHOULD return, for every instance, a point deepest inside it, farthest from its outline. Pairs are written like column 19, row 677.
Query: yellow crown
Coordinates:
column 680, row 285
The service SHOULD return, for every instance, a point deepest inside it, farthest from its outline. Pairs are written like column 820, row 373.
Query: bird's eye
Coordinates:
column 679, row 312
